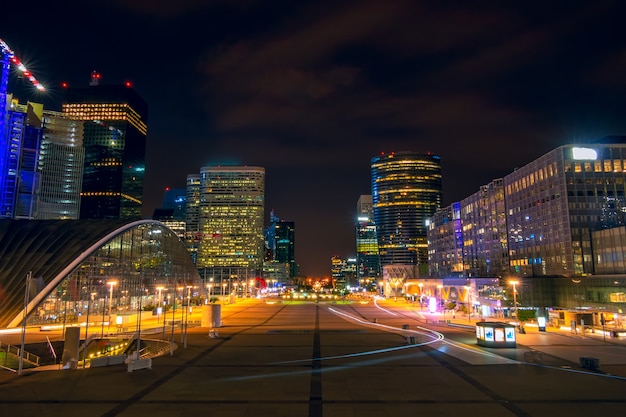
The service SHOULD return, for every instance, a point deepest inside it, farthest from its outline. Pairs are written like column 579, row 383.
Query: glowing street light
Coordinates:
column 469, row 303
column 111, row 284
column 421, row 287
column 514, row 283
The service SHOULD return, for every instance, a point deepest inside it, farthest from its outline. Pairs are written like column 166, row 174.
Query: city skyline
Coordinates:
column 312, row 91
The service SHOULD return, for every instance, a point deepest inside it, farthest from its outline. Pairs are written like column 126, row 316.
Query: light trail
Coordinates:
column 436, row 336
column 384, row 309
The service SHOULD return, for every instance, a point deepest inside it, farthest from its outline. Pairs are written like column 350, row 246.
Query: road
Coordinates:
column 331, row 360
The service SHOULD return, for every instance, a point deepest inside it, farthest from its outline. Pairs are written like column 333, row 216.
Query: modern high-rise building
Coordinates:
column 115, row 129
column 540, row 220
column 406, row 192
column 172, row 211
column 61, row 160
column 555, row 202
column 445, row 243
column 285, row 246
column 19, row 153
column 231, row 211
column 193, row 236
column 367, row 257
column 483, row 217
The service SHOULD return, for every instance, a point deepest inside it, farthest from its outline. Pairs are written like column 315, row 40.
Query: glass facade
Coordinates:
column 367, row 256
column 60, row 164
column 232, row 204
column 406, row 192
column 115, row 131
column 19, row 178
column 89, row 267
column 539, row 220
column 484, row 231
column 445, row 243
column 554, row 203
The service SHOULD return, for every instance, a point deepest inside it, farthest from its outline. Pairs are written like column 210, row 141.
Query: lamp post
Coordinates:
column 187, row 314
column 111, row 284
column 421, row 287
column 381, row 284
column 514, row 283
column 440, row 291
column 159, row 303
column 469, row 303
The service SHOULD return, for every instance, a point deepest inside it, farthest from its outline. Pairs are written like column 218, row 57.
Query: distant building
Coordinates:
column 285, row 246
column 230, row 219
column 367, row 257
column 193, row 236
column 406, row 192
column 115, row 129
column 344, row 273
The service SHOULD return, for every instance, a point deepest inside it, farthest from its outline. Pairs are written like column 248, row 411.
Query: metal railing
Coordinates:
column 15, row 351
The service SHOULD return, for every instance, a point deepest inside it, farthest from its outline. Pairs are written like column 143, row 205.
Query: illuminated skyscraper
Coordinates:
column 406, row 192
column 232, row 203
column 61, row 159
column 285, row 246
column 115, row 128
column 367, row 257
column 19, row 179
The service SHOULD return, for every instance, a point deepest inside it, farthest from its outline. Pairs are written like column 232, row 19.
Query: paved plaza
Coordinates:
column 337, row 360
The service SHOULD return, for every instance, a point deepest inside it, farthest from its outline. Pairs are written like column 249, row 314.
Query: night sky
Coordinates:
column 312, row 90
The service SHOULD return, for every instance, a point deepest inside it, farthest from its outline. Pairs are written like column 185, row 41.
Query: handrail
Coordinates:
column 14, row 350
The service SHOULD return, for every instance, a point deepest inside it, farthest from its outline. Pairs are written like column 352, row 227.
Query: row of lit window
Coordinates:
column 607, row 165
column 533, row 177
column 101, row 194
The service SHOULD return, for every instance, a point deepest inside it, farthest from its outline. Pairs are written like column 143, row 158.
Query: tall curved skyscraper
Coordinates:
column 406, row 192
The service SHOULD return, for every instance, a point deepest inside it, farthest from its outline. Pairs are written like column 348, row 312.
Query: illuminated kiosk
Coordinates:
column 495, row 334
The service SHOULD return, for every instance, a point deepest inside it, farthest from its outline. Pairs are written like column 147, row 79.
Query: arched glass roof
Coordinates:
column 73, row 261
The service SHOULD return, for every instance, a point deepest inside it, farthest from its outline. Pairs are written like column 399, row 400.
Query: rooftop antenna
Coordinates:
column 95, row 78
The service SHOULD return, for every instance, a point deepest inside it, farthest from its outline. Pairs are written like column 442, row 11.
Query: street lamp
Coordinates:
column 421, row 286
column 440, row 291
column 514, row 283
column 469, row 303
column 111, row 284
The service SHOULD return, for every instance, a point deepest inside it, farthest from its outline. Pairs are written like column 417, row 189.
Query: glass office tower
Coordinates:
column 555, row 202
column 61, row 159
column 232, row 203
column 406, row 192
column 367, row 258
column 285, row 245
column 115, row 131
column 19, row 178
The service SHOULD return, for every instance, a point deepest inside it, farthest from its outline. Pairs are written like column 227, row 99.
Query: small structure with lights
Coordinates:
column 495, row 334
